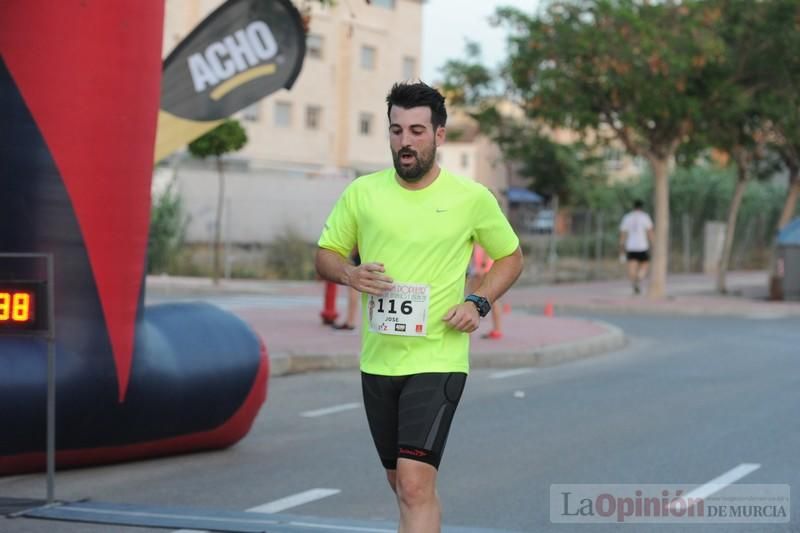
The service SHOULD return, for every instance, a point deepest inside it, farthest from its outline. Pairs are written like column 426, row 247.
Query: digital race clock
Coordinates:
column 23, row 307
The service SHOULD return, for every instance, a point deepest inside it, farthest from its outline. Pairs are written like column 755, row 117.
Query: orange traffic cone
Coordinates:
column 548, row 309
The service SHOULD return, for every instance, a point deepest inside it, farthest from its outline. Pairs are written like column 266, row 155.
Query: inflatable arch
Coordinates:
column 79, row 99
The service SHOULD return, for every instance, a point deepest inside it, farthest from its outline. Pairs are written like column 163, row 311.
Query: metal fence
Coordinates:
column 584, row 245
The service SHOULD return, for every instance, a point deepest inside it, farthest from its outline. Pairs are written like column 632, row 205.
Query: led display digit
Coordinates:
column 22, row 307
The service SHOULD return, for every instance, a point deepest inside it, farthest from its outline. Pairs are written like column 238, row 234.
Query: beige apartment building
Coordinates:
column 307, row 143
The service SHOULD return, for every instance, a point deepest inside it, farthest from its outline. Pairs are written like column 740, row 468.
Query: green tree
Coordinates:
column 782, row 103
column 731, row 120
column 782, row 100
column 225, row 138
column 632, row 68
column 554, row 169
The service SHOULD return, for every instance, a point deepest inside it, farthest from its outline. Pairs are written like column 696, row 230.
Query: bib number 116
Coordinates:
column 405, row 306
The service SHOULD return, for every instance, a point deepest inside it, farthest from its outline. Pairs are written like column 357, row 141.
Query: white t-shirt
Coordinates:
column 635, row 224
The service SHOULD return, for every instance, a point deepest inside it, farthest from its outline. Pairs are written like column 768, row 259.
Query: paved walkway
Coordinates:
column 286, row 315
column 687, row 294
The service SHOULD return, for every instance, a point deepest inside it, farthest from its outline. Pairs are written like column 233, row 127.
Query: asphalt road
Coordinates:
column 688, row 400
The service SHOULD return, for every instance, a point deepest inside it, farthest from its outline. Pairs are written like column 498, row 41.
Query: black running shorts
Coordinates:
column 642, row 257
column 410, row 416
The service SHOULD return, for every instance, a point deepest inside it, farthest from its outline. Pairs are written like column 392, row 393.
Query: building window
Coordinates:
column 251, row 113
column 367, row 57
column 313, row 117
column 365, row 123
column 409, row 68
column 283, row 114
column 314, row 46
column 464, row 160
column 388, row 4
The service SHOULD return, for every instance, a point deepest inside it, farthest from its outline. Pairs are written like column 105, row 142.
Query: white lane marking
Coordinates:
column 342, row 528
column 510, row 373
column 164, row 515
column 718, row 483
column 294, row 500
column 330, row 410
column 282, row 504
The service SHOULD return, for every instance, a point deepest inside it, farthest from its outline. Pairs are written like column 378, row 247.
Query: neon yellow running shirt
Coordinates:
column 422, row 237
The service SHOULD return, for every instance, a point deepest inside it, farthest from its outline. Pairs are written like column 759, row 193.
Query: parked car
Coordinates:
column 543, row 222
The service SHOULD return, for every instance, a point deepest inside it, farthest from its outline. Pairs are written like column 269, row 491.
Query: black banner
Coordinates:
column 239, row 54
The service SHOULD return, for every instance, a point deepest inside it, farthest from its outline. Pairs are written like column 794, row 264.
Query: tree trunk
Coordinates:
column 218, row 222
column 658, row 279
column 743, row 175
column 790, row 204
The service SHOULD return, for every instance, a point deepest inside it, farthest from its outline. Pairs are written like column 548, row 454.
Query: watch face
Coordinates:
column 481, row 303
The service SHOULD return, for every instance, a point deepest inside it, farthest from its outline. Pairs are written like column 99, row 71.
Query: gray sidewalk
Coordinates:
column 286, row 315
column 687, row 294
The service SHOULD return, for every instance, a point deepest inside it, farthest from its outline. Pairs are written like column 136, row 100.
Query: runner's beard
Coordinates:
column 415, row 172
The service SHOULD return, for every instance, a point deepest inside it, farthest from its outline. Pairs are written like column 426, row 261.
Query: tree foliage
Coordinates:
column 731, row 120
column 781, row 100
column 634, row 67
column 619, row 69
column 225, row 138
column 668, row 80
column 554, row 169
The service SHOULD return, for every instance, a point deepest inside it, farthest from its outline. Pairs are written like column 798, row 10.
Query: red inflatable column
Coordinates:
column 329, row 313
column 90, row 73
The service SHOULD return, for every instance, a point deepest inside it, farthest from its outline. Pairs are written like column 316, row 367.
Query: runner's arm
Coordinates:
column 502, row 274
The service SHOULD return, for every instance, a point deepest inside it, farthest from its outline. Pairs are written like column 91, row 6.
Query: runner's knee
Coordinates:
column 414, row 490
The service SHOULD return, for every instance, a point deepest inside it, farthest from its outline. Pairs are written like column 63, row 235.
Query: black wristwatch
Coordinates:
column 481, row 303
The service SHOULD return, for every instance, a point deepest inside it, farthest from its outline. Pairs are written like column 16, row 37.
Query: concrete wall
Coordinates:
column 259, row 205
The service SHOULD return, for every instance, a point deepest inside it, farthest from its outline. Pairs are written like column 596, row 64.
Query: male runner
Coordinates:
column 635, row 236
column 415, row 225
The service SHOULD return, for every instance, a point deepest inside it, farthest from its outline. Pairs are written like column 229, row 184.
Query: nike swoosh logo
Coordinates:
column 441, row 210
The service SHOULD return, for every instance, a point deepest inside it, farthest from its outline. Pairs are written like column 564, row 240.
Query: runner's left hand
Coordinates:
column 463, row 317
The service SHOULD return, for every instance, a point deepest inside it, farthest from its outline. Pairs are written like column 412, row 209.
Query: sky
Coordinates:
column 446, row 24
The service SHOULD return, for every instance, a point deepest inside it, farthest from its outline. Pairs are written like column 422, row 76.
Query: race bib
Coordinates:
column 401, row 311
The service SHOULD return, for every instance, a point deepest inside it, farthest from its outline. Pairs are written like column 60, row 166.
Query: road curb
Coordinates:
column 282, row 364
column 555, row 354
column 678, row 308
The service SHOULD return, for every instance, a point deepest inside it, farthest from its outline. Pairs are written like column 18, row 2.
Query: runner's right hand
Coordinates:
column 370, row 278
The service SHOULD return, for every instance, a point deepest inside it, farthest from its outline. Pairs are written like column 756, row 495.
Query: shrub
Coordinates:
column 290, row 256
column 167, row 228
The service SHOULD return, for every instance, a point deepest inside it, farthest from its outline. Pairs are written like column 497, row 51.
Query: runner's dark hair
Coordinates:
column 418, row 94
